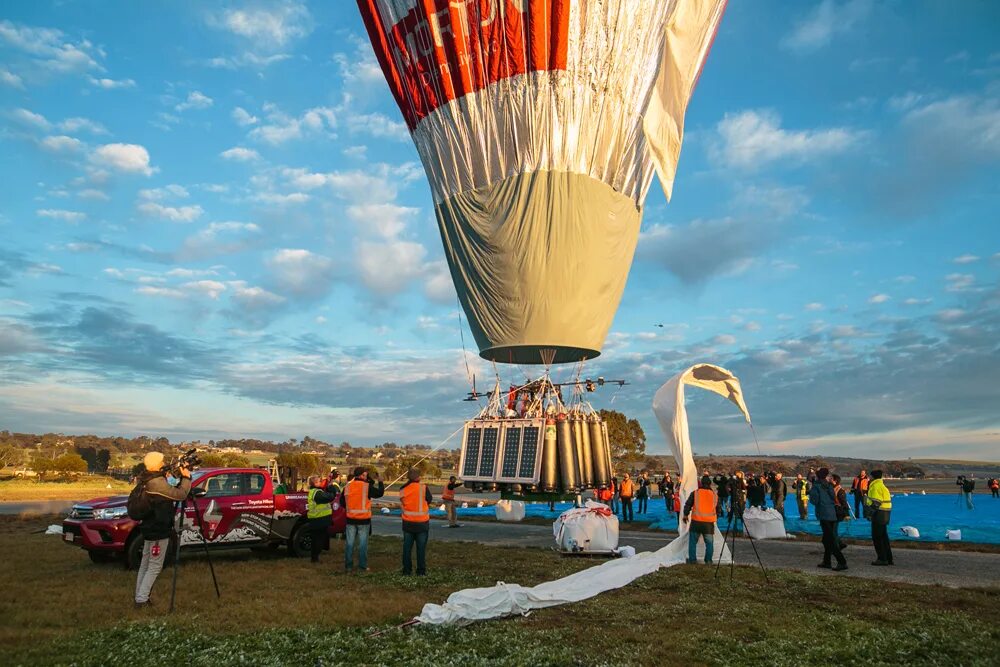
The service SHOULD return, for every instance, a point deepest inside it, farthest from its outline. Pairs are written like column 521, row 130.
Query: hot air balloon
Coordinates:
column 540, row 124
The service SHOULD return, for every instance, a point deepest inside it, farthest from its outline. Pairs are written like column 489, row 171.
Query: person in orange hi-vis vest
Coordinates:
column 626, row 494
column 700, row 509
column 448, row 496
column 415, row 499
column 357, row 499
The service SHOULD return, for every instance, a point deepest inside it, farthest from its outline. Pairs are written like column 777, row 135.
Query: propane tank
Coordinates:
column 549, row 479
column 577, row 428
column 567, row 458
column 602, row 476
column 588, row 456
column 607, row 447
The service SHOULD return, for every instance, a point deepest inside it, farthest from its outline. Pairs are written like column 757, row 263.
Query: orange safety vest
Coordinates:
column 413, row 498
column 448, row 494
column 677, row 502
column 704, row 506
column 995, row 484
column 626, row 491
column 359, row 506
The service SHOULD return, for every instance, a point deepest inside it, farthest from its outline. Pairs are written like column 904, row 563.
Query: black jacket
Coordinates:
column 779, row 489
column 162, row 497
column 722, row 485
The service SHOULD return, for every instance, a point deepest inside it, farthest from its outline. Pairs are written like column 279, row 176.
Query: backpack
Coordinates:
column 139, row 506
column 840, row 507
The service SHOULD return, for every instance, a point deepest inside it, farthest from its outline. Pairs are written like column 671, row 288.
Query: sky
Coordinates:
column 213, row 224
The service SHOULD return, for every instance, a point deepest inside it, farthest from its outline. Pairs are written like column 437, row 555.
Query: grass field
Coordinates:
column 83, row 488
column 59, row 608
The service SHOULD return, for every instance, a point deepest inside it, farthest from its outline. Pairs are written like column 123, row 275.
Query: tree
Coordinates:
column 10, row 455
column 103, row 460
column 66, row 465
column 401, row 464
column 625, row 436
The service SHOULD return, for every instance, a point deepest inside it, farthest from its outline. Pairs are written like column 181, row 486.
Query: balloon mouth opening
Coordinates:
column 538, row 354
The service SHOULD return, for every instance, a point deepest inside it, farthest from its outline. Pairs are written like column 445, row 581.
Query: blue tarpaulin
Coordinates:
column 931, row 514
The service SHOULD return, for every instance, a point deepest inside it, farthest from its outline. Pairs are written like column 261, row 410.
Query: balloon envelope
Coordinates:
column 540, row 124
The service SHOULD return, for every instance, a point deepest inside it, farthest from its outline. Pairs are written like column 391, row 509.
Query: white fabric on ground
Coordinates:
column 478, row 604
column 953, row 534
column 589, row 528
column 910, row 531
column 763, row 524
column 510, row 510
column 54, row 530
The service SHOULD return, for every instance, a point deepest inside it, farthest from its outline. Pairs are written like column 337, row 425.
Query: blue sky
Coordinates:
column 213, row 223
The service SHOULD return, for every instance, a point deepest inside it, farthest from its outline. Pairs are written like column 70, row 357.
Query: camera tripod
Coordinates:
column 737, row 511
column 182, row 506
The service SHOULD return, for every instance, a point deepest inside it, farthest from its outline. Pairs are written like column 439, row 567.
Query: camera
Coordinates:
column 188, row 459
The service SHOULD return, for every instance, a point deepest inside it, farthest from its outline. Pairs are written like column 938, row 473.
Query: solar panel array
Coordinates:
column 504, row 451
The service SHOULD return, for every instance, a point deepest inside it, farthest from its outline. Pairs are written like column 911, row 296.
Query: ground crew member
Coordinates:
column 879, row 501
column 801, row 488
column 779, row 491
column 415, row 498
column 626, row 493
column 357, row 498
column 319, row 514
column 994, row 485
column 700, row 508
column 615, row 488
column 824, row 498
column 333, row 482
column 859, row 487
column 157, row 526
column 448, row 496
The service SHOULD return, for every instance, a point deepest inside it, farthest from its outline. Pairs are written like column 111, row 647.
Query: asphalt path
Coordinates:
column 955, row 569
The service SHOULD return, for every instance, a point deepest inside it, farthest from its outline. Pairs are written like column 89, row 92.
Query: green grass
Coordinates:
column 83, row 488
column 58, row 608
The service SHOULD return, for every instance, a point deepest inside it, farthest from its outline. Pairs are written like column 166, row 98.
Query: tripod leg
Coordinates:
column 723, row 549
column 177, row 557
column 759, row 561
column 208, row 555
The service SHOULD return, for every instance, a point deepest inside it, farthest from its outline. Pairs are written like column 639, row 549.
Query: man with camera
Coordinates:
column 968, row 486
column 357, row 498
column 157, row 524
column 779, row 491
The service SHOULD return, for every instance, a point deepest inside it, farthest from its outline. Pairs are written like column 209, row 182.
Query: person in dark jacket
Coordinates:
column 779, row 490
column 416, row 521
column 721, row 482
column 667, row 489
column 823, row 498
column 319, row 513
column 642, row 494
column 968, row 485
column 157, row 527
column 757, row 492
column 737, row 494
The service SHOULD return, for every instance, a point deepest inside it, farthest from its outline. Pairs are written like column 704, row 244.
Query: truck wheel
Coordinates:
column 301, row 542
column 100, row 556
column 133, row 551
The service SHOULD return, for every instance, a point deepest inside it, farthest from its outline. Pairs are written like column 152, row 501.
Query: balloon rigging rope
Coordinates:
column 427, row 455
column 465, row 353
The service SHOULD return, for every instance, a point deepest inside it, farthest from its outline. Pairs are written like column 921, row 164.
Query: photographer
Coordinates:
column 779, row 490
column 757, row 492
column 721, row 482
column 158, row 523
column 357, row 498
column 968, row 486
column 737, row 494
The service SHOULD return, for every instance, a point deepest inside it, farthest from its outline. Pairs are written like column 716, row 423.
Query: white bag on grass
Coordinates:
column 510, row 510
column 589, row 528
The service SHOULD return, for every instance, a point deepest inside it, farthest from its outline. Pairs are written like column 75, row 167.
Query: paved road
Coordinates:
column 956, row 569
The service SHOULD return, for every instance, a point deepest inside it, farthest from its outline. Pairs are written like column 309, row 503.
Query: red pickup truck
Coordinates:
column 238, row 509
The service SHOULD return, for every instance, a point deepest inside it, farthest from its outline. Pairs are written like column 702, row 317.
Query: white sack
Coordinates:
column 763, row 524
column 510, row 510
column 626, row 551
column 54, row 530
column 953, row 534
column 477, row 604
column 589, row 528
column 910, row 531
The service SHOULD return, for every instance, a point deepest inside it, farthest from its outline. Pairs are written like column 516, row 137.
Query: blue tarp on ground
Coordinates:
column 932, row 515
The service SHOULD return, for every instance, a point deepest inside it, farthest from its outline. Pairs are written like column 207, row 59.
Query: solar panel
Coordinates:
column 472, row 452
column 511, row 451
column 529, row 452
column 487, row 463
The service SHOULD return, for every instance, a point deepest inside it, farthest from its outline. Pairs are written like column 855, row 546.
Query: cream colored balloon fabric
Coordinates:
column 539, row 123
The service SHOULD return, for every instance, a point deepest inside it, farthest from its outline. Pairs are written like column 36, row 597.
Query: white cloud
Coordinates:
column 878, row 298
column 301, row 271
column 904, row 102
column 277, row 198
column 378, row 125
column 270, row 26
column 357, row 152
column 112, row 84
column 61, row 144
column 906, row 279
column 388, row 268
column 29, row 118
column 8, row 78
column 439, row 286
column 281, row 127
column 830, row 18
column 240, row 154
column 813, row 307
column 916, row 302
column 254, row 298
column 50, row 49
column 166, row 192
column 129, row 158
column 171, row 213
column 749, row 139
column 78, row 124
column 210, row 288
column 93, row 195
column 959, row 282
column 169, row 292
column 243, row 117
column 966, row 259
column 219, row 238
column 362, row 68
column 60, row 214
column 724, row 339
column 246, row 59
column 195, row 100
column 385, row 220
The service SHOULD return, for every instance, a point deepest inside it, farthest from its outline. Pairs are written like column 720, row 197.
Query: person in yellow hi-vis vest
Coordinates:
column 415, row 499
column 879, row 500
column 319, row 514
